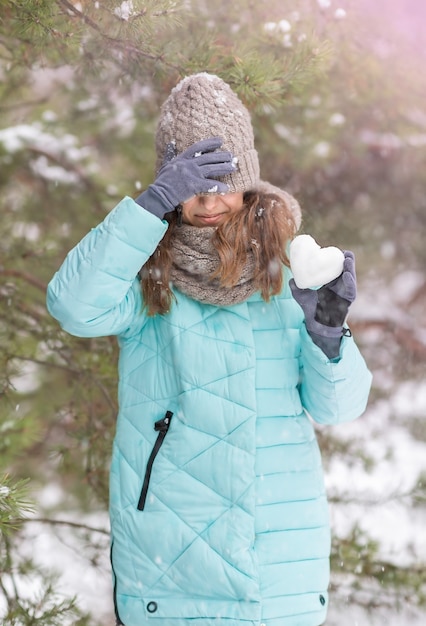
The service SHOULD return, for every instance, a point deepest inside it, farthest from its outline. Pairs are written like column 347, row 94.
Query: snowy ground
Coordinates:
column 341, row 615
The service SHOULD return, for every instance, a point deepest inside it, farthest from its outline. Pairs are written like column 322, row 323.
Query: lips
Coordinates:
column 210, row 219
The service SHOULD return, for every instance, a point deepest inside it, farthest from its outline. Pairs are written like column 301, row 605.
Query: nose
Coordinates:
column 209, row 201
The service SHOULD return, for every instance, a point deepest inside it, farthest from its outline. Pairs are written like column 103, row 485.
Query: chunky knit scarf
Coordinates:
column 194, row 261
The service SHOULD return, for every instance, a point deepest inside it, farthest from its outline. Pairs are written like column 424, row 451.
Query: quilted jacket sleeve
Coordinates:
column 333, row 391
column 94, row 293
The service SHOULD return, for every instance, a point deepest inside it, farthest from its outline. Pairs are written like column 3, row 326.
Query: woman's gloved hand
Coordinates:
column 326, row 308
column 183, row 176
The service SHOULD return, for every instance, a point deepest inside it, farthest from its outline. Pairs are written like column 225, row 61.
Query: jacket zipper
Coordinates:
column 162, row 426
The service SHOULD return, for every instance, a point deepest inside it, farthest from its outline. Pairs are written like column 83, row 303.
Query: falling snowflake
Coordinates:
column 340, row 14
column 337, row 119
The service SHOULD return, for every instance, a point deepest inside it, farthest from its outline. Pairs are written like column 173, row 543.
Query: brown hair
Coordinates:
column 264, row 225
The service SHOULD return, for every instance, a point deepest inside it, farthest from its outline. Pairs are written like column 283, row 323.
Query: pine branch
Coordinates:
column 28, row 278
column 376, row 501
column 117, row 43
column 71, row 167
column 405, row 336
column 84, row 372
column 57, row 522
column 58, row 366
column 14, row 503
column 23, row 105
column 73, row 9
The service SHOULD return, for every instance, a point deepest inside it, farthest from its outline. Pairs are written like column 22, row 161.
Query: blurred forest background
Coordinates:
column 337, row 91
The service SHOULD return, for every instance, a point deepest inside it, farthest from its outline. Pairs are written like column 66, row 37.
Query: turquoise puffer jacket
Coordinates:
column 217, row 502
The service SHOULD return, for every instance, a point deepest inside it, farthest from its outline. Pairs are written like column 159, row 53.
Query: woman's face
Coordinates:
column 211, row 209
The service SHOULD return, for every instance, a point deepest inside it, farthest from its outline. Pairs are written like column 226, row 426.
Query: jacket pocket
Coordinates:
column 162, row 426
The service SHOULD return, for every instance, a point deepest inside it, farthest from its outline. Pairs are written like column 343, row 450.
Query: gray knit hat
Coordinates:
column 203, row 106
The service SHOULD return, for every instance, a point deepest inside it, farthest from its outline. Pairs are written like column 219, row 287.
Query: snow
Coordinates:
column 59, row 549
column 291, row 135
column 23, row 136
column 280, row 27
column 46, row 148
column 322, row 149
column 124, row 11
column 417, row 141
column 49, row 116
column 27, row 379
column 313, row 266
column 184, row 81
column 57, row 174
column 27, row 230
column 283, row 26
column 340, row 14
column 324, row 4
column 358, row 616
column 374, row 302
column 337, row 119
column 406, row 284
column 385, row 141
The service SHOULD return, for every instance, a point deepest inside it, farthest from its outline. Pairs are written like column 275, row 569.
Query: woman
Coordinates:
column 217, row 501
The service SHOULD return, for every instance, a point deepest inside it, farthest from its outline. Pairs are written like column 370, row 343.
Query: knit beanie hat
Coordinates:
column 203, row 106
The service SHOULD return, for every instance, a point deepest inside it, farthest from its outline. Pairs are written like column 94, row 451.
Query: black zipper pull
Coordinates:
column 161, row 426
column 164, row 423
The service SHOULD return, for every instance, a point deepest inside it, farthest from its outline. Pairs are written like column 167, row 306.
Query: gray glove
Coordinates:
column 326, row 308
column 186, row 175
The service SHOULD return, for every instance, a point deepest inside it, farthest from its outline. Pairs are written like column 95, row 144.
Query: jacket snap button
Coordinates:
column 151, row 607
column 322, row 600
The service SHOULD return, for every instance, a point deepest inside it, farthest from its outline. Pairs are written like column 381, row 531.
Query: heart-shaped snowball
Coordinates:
column 313, row 266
